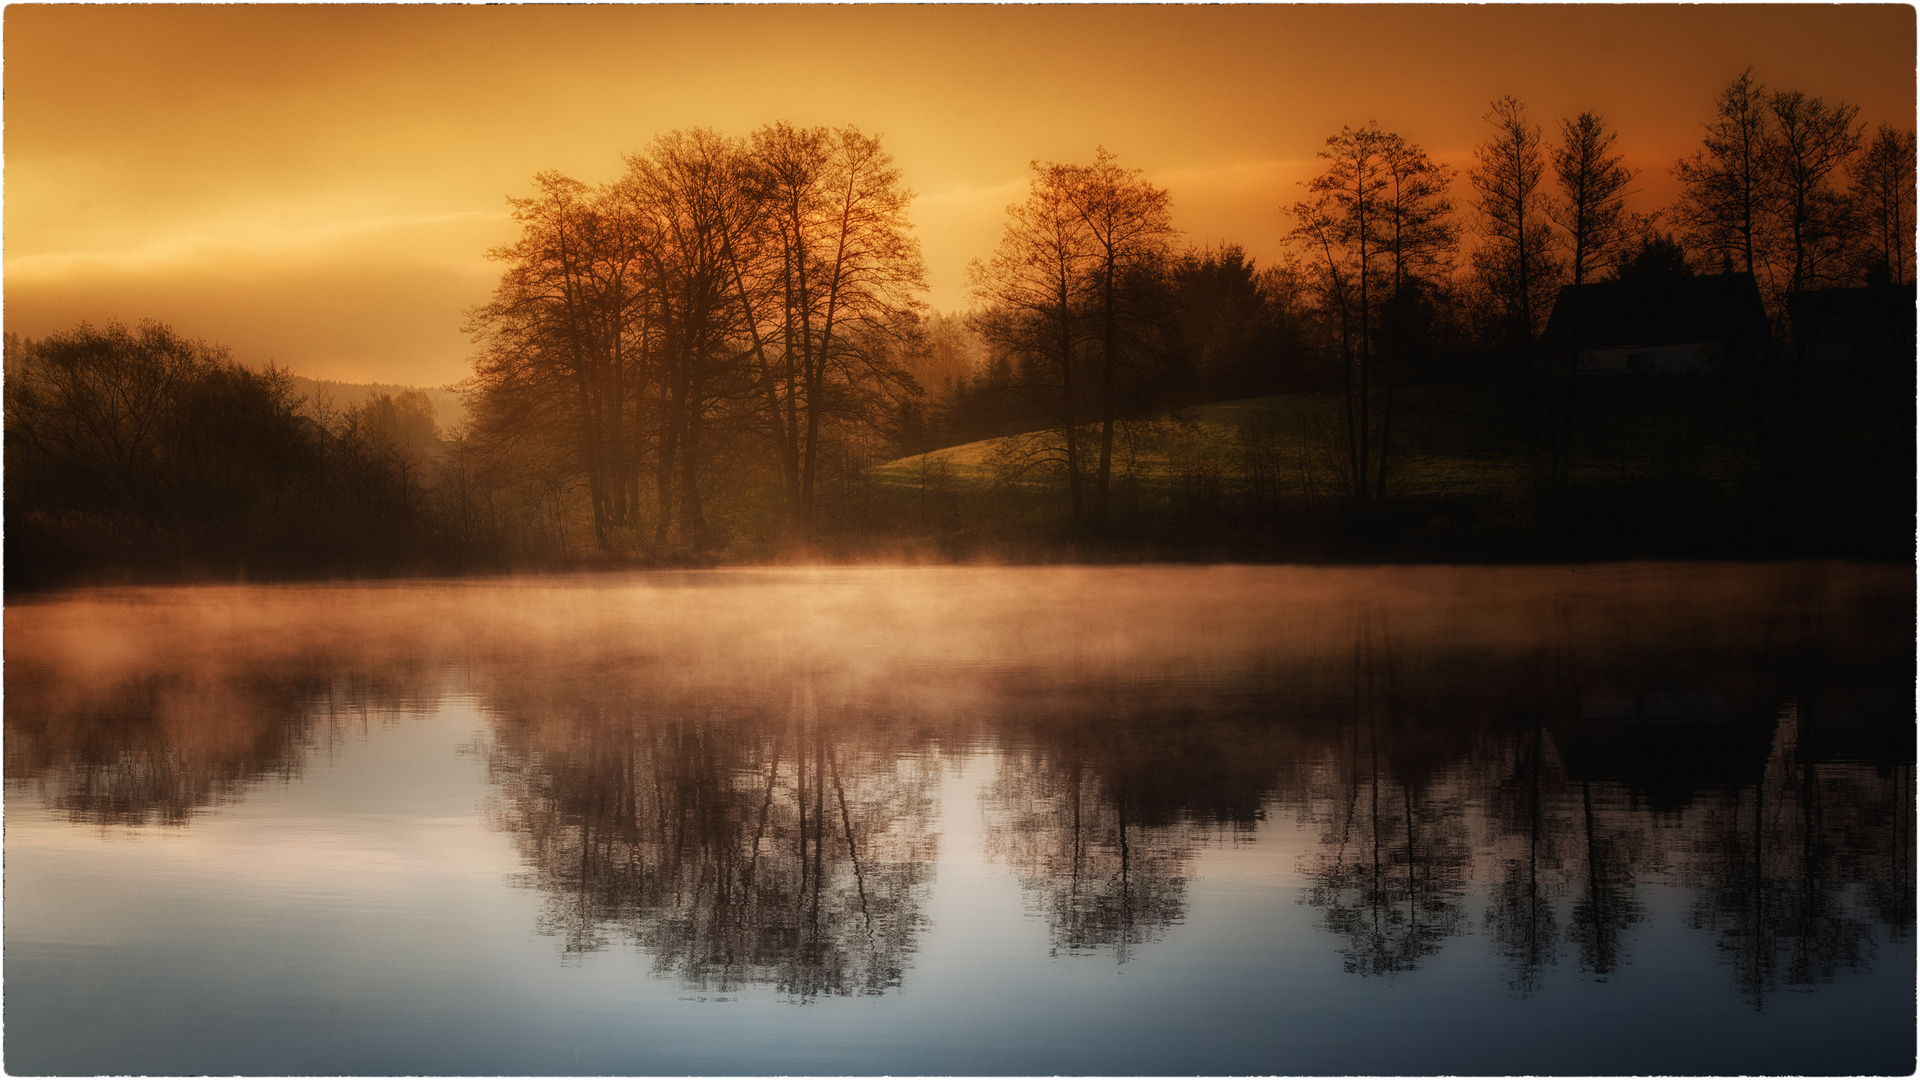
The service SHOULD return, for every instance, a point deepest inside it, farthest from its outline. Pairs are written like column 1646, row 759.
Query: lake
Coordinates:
column 1139, row 820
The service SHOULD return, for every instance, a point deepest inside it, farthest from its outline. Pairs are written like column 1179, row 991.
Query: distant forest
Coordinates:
column 721, row 356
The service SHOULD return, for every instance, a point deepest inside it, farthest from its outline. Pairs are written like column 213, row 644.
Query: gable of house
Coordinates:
column 1874, row 323
column 1673, row 326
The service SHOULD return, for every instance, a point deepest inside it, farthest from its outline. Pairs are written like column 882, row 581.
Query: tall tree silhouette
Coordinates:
column 1342, row 226
column 1129, row 237
column 1378, row 227
column 1882, row 187
column 1031, row 297
column 840, row 269
column 1726, row 187
column 1814, row 142
column 1883, row 192
column 1592, row 211
column 564, row 356
column 1514, row 259
column 1421, row 236
column 683, row 196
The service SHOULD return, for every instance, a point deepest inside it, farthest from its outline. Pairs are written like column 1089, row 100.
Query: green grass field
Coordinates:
column 1658, row 467
column 1447, row 442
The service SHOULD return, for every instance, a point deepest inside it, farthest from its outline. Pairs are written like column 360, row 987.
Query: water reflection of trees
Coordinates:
column 1101, row 880
column 1522, row 774
column 737, row 841
column 1391, row 867
column 1588, row 766
column 1798, row 870
column 1107, row 788
column 148, row 706
column 158, row 746
column 1606, row 896
column 1793, row 871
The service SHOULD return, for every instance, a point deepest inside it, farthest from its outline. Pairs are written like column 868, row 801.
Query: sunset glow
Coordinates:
column 318, row 186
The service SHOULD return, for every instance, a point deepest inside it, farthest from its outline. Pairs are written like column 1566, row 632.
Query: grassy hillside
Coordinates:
column 1661, row 467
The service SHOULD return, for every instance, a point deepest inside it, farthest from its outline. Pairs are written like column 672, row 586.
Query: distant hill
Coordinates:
column 447, row 410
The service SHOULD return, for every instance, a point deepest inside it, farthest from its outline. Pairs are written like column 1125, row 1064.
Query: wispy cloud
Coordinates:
column 273, row 238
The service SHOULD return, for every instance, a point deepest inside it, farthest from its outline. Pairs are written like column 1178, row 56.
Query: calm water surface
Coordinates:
column 959, row 821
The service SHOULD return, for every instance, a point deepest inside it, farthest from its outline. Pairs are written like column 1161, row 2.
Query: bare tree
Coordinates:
column 1129, row 236
column 1815, row 142
column 1379, row 224
column 683, row 192
column 1030, row 296
column 1883, row 193
column 1593, row 212
column 1343, row 226
column 1420, row 239
column 841, row 272
column 1514, row 260
column 558, row 345
column 1726, row 186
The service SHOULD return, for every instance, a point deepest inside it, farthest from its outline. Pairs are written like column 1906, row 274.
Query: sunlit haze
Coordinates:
column 319, row 185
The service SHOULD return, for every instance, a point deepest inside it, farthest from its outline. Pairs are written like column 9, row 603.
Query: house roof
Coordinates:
column 1722, row 308
column 1867, row 303
column 1876, row 321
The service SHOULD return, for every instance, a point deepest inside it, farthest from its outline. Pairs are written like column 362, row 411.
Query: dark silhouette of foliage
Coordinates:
column 1882, row 188
column 137, row 451
column 1076, row 296
column 722, row 356
column 1514, row 260
column 1592, row 212
column 1379, row 225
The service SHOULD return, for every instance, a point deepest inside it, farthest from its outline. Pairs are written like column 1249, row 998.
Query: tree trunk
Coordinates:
column 1108, row 362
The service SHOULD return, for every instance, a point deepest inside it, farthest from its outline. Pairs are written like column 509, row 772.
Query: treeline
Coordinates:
column 1398, row 273
column 709, row 357
column 712, row 353
column 721, row 327
column 136, row 453
column 673, row 364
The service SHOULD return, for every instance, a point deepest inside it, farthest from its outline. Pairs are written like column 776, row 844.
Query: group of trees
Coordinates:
column 1377, row 234
column 1546, row 218
column 1782, row 189
column 728, row 306
column 1389, row 278
column 139, row 450
column 1763, row 196
column 735, row 319
column 710, row 351
column 1196, row 325
column 1075, row 291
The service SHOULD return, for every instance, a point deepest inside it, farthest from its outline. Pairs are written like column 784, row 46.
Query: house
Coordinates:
column 1661, row 326
column 1871, row 324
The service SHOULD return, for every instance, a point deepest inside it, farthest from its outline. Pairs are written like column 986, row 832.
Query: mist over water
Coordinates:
column 966, row 820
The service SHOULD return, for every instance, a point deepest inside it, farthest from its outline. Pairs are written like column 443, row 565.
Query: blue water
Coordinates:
column 998, row 821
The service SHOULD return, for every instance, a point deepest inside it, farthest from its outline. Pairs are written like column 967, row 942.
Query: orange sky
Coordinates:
column 318, row 185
